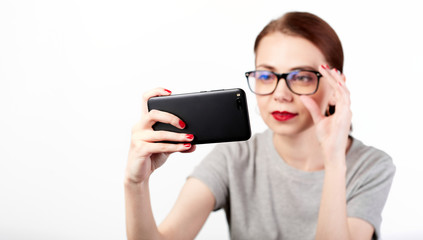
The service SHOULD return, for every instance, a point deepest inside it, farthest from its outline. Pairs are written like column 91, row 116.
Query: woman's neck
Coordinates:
column 301, row 151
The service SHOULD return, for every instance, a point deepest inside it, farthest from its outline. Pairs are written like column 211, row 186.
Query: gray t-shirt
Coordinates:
column 265, row 198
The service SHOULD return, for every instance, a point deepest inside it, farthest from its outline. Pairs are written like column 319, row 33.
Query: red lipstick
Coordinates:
column 283, row 116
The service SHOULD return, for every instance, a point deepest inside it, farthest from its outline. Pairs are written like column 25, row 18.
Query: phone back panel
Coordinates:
column 212, row 116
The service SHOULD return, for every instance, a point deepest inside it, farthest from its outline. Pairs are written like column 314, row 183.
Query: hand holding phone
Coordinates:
column 211, row 116
column 147, row 151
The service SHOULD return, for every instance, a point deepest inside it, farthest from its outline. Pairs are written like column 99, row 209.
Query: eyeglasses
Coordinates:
column 300, row 82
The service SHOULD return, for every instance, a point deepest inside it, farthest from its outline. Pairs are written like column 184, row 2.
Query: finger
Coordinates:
column 153, row 93
column 337, row 81
column 342, row 94
column 168, row 147
column 313, row 108
column 326, row 72
column 342, row 87
column 150, row 118
column 164, row 117
column 338, row 77
column 192, row 149
column 161, row 136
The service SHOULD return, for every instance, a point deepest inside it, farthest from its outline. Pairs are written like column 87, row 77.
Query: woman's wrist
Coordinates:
column 336, row 162
column 335, row 155
column 129, row 182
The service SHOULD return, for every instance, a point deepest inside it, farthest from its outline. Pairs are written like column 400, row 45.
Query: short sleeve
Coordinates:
column 213, row 172
column 371, row 190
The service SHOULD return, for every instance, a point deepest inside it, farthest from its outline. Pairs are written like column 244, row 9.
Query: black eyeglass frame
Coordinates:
column 284, row 76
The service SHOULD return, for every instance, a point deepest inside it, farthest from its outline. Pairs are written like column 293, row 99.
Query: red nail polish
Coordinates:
column 168, row 91
column 327, row 66
column 323, row 66
column 187, row 145
column 181, row 124
column 190, row 136
column 336, row 70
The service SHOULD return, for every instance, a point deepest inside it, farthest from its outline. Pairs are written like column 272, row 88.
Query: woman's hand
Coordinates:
column 146, row 154
column 332, row 131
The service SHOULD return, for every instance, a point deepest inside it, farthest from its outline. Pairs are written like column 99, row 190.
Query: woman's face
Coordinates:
column 282, row 110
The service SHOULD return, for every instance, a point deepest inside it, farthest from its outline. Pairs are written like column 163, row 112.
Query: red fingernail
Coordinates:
column 327, row 66
column 323, row 66
column 336, row 70
column 168, row 91
column 187, row 145
column 182, row 124
column 190, row 136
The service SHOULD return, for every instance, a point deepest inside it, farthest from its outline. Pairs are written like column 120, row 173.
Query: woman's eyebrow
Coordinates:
column 271, row 68
column 304, row 67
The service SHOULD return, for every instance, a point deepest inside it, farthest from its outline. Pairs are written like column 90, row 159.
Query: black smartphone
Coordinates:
column 211, row 116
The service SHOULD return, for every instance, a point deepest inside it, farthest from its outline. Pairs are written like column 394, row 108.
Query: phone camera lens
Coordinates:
column 238, row 103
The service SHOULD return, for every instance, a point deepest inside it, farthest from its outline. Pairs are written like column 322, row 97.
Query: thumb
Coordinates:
column 313, row 108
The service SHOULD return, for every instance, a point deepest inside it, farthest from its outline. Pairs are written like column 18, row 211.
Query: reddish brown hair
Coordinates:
column 312, row 28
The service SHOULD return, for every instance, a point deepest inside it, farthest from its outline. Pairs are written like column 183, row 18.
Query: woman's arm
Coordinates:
column 147, row 152
column 140, row 223
column 332, row 133
column 191, row 210
column 185, row 220
column 333, row 222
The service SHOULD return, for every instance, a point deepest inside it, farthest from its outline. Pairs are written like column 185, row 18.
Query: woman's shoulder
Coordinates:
column 368, row 158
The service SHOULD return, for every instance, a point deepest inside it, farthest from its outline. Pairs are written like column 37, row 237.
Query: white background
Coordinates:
column 72, row 74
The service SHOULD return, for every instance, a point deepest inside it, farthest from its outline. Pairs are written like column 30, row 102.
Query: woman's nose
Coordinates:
column 282, row 92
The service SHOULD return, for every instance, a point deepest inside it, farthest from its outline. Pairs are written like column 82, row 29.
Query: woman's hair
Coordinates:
column 312, row 28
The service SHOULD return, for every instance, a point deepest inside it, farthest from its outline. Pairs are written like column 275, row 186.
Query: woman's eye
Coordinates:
column 265, row 77
column 304, row 78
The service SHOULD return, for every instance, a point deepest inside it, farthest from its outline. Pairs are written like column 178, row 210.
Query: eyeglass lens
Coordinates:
column 299, row 82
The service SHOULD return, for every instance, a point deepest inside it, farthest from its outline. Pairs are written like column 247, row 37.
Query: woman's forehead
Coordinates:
column 284, row 52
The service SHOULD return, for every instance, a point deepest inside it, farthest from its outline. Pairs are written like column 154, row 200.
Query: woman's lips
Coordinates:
column 283, row 116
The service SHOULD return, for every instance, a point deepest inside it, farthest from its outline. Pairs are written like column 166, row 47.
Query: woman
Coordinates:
column 303, row 178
